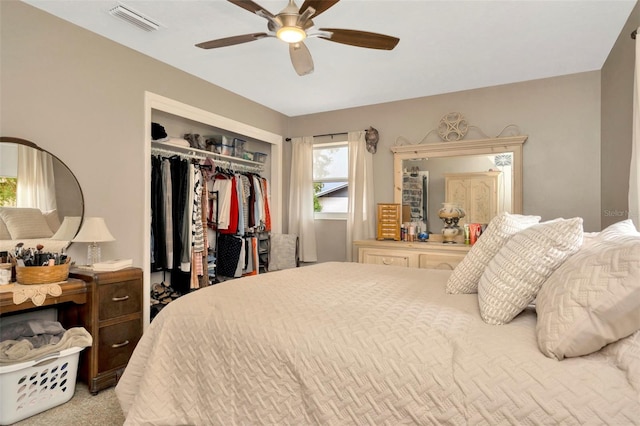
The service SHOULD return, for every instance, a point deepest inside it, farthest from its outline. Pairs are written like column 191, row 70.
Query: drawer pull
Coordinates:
column 387, row 261
column 119, row 299
column 119, row 345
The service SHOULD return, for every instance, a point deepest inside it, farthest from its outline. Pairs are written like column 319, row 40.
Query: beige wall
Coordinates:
column 81, row 96
column 561, row 157
column 617, row 108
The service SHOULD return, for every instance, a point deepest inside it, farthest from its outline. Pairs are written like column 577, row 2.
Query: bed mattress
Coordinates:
column 348, row 343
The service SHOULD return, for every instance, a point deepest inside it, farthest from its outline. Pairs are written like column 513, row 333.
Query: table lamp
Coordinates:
column 68, row 228
column 93, row 231
column 450, row 214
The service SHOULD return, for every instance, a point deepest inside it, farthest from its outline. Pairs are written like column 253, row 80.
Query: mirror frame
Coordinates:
column 25, row 142
column 491, row 146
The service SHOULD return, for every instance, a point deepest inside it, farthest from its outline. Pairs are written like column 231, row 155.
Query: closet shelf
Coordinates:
column 165, row 148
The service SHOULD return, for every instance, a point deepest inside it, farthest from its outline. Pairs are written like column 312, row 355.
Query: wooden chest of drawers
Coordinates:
column 427, row 255
column 113, row 316
column 389, row 218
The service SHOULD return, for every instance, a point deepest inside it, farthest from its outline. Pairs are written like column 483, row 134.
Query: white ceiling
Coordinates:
column 445, row 46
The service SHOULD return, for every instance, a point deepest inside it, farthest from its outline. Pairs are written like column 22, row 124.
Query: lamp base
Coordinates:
column 93, row 254
column 449, row 234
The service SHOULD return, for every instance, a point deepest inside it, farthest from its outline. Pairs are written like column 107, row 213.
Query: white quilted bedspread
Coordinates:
column 348, row 343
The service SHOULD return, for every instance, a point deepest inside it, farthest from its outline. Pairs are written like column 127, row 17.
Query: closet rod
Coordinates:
column 239, row 167
column 179, row 154
column 229, row 164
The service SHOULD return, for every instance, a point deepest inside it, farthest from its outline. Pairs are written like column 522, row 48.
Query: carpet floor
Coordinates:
column 83, row 409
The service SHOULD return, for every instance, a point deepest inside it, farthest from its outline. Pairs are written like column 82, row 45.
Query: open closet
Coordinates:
column 209, row 210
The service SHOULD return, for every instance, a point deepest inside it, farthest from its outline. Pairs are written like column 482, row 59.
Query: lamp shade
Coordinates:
column 93, row 230
column 68, row 228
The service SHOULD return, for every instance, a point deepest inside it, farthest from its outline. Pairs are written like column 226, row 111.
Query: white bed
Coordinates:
column 348, row 343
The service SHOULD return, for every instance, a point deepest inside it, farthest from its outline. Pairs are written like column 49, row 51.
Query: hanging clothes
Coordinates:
column 232, row 227
column 266, row 201
column 258, row 201
column 223, row 186
column 158, row 216
column 229, row 249
column 168, row 214
column 194, row 238
column 246, row 193
column 180, row 183
column 241, row 206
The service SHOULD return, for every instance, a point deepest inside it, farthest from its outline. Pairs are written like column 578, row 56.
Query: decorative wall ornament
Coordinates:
column 453, row 127
column 371, row 136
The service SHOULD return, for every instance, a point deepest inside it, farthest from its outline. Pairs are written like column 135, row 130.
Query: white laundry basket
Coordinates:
column 31, row 387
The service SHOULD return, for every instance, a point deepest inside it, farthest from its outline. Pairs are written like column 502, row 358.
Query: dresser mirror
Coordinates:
column 483, row 176
column 41, row 181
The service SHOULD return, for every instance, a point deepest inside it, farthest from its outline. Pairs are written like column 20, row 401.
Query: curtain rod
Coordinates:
column 326, row 134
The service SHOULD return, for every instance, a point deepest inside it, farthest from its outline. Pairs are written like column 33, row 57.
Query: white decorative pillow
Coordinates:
column 618, row 229
column 593, row 299
column 465, row 276
column 52, row 220
column 4, row 232
column 25, row 223
column 516, row 273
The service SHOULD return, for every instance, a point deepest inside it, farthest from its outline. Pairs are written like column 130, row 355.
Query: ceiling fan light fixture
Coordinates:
column 291, row 34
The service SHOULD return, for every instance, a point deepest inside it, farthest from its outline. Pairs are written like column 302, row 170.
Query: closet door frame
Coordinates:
column 160, row 103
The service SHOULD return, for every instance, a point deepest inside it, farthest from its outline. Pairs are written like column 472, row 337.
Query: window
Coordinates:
column 330, row 180
column 8, row 174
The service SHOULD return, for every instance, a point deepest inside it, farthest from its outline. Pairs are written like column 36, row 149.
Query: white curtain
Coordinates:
column 301, row 220
column 361, row 216
column 634, row 175
column 36, row 183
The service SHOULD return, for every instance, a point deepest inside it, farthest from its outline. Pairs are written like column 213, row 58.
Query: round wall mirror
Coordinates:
column 41, row 201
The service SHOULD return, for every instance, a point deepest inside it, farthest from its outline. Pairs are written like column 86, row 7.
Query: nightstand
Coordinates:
column 113, row 316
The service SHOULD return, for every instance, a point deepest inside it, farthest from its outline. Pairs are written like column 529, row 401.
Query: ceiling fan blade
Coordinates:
column 230, row 41
column 319, row 5
column 252, row 7
column 361, row 38
column 301, row 58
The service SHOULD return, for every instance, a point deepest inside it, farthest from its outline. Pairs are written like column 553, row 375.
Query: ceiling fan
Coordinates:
column 293, row 25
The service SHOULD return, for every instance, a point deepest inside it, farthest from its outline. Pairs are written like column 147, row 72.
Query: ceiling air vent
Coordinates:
column 134, row 18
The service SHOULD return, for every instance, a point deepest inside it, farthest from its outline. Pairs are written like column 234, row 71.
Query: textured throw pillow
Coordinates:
column 593, row 299
column 24, row 223
column 516, row 273
column 465, row 276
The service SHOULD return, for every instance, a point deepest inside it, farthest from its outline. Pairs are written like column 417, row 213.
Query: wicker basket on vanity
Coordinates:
column 42, row 274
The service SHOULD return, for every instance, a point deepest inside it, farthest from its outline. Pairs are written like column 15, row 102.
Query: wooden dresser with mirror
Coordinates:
column 484, row 176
